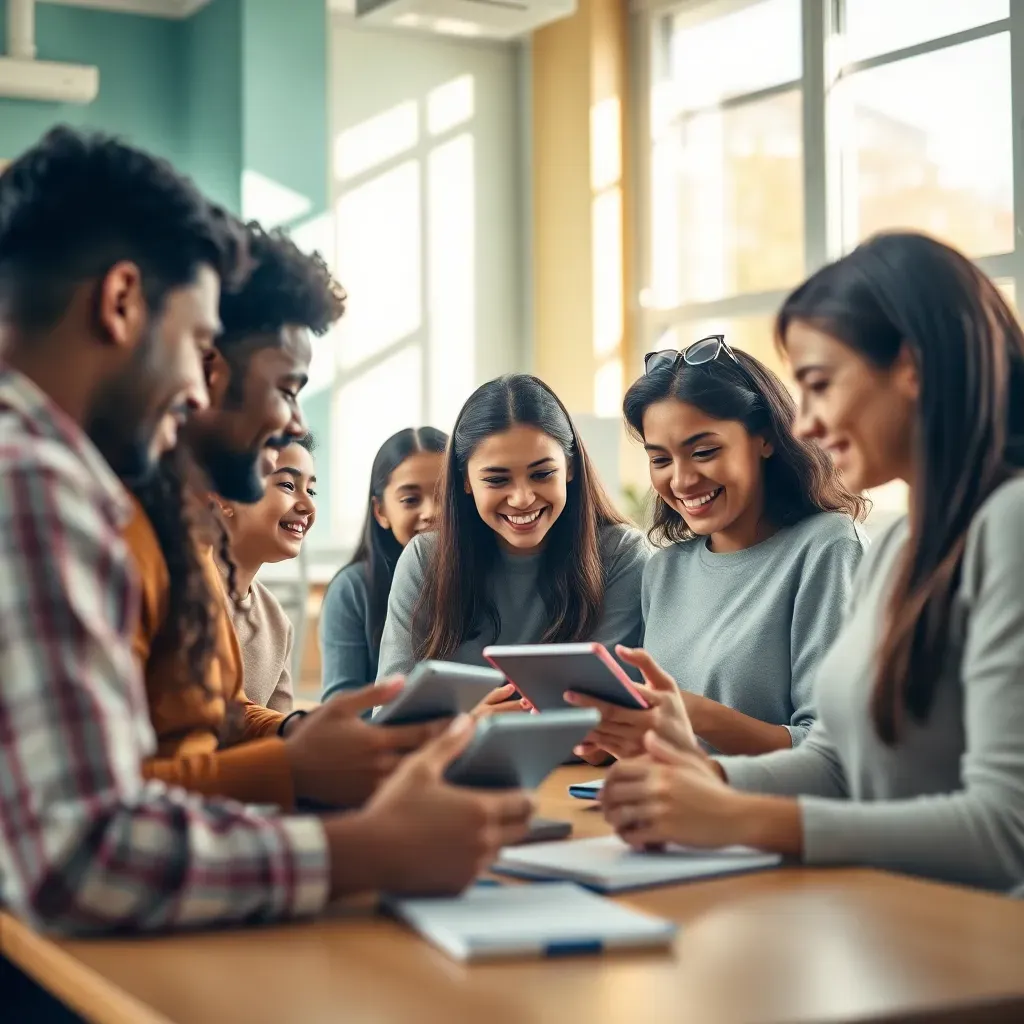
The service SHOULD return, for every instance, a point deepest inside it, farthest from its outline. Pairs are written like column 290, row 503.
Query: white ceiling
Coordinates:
column 155, row 8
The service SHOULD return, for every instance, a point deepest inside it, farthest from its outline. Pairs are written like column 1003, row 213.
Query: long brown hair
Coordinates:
column 378, row 551
column 905, row 289
column 799, row 478
column 455, row 606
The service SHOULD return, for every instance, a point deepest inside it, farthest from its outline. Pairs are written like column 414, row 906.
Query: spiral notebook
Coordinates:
column 546, row 920
column 607, row 864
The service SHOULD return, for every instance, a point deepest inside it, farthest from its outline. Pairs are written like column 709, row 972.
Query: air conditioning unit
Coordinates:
column 486, row 19
column 22, row 77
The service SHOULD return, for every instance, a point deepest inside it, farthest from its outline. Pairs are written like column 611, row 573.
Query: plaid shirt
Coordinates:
column 86, row 845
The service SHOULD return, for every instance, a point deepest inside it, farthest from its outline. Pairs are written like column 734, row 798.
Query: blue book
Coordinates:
column 499, row 921
column 587, row 790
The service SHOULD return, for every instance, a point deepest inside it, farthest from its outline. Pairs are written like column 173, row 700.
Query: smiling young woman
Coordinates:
column 911, row 367
column 529, row 548
column 758, row 547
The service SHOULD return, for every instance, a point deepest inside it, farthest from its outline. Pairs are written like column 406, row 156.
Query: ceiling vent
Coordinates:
column 484, row 19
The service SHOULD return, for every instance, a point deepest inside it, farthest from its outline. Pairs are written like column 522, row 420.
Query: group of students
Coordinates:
column 810, row 694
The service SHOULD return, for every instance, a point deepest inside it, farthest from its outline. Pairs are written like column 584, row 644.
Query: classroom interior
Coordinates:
column 558, row 187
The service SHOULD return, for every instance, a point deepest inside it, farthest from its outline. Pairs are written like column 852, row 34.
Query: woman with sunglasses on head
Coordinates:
column 911, row 367
column 758, row 549
column 528, row 549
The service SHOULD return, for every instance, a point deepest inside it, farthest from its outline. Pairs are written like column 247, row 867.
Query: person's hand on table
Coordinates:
column 497, row 702
column 621, row 732
column 338, row 758
column 421, row 835
column 675, row 793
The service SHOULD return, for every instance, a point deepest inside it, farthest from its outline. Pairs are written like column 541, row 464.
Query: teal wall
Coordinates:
column 284, row 76
column 140, row 64
column 241, row 84
column 211, row 99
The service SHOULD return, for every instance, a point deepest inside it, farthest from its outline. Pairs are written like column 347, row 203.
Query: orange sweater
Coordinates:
column 186, row 718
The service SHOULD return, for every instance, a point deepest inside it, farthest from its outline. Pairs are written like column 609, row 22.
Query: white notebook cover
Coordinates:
column 544, row 920
column 607, row 864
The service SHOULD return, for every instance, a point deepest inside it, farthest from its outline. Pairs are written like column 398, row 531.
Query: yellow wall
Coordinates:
column 581, row 203
column 582, row 214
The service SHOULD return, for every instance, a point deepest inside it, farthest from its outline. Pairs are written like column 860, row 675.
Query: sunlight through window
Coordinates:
column 380, row 261
column 450, row 105
column 451, row 273
column 376, row 140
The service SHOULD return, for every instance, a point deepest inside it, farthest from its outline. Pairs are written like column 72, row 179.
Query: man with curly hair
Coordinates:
column 110, row 269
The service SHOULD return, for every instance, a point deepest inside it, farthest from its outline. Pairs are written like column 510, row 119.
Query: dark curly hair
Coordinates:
column 799, row 478
column 285, row 287
column 189, row 624
column 76, row 203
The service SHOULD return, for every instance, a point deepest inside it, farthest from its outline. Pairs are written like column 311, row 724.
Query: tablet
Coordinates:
column 520, row 751
column 543, row 672
column 438, row 689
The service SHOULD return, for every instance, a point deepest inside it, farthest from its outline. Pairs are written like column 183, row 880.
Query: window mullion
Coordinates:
column 815, row 152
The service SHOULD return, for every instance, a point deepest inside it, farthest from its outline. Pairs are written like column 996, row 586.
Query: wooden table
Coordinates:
column 789, row 945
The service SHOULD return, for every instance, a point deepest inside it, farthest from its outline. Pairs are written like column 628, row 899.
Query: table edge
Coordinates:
column 65, row 977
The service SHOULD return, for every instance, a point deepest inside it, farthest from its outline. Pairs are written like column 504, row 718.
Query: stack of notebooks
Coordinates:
column 559, row 918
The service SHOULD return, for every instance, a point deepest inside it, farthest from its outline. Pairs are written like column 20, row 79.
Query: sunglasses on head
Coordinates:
column 706, row 350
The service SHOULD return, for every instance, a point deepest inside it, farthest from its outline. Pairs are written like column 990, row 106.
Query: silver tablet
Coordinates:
column 438, row 689
column 519, row 751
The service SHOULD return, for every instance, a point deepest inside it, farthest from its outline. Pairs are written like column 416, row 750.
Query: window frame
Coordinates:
column 820, row 19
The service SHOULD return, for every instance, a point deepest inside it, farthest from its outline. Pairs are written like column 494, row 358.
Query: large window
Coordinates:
column 783, row 132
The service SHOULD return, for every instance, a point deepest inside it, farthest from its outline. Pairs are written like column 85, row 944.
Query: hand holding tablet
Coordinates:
column 544, row 672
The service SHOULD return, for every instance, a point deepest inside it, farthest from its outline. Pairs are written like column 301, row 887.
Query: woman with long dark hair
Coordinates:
column 911, row 367
column 401, row 505
column 758, row 548
column 529, row 548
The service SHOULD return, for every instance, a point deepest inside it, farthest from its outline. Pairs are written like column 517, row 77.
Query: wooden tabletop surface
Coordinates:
column 794, row 944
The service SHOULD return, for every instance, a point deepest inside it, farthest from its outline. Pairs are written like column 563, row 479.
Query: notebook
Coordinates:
column 607, row 864
column 547, row 920
column 587, row 790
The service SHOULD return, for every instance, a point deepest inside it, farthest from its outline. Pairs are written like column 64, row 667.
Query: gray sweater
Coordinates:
column 513, row 588
column 348, row 654
column 748, row 628
column 948, row 800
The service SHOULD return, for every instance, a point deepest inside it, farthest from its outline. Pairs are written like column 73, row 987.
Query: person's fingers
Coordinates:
column 508, row 707
column 512, row 832
column 620, row 731
column 406, row 738
column 442, row 750
column 365, row 699
column 609, row 712
column 645, row 837
column 654, row 675
column 673, row 733
column 622, row 817
column 628, row 771
column 592, row 753
column 509, row 808
column 630, row 792
column 499, row 694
